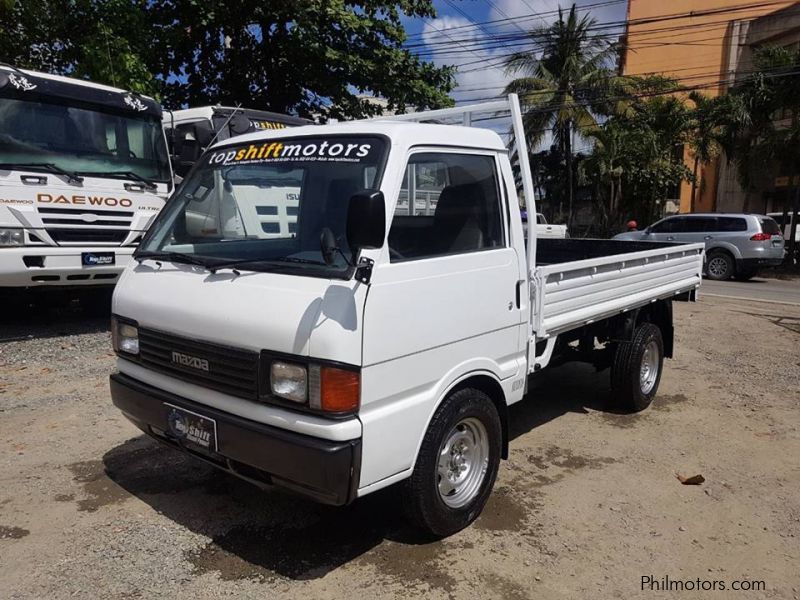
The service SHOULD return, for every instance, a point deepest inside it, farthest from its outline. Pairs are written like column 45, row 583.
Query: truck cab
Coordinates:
column 379, row 337
column 83, row 172
column 191, row 130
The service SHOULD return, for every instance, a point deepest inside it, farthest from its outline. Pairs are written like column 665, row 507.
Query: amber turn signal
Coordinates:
column 340, row 390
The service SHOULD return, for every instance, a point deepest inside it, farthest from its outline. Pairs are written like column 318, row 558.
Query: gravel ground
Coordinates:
column 587, row 504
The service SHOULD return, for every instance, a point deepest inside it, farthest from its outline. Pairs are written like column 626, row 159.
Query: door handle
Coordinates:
column 670, row 239
column 519, row 292
column 709, row 237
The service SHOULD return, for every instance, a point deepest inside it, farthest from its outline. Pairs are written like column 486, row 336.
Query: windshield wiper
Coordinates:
column 50, row 167
column 149, row 184
column 171, row 256
column 247, row 261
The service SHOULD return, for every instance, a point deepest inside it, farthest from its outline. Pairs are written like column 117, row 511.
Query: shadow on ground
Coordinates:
column 270, row 535
column 53, row 318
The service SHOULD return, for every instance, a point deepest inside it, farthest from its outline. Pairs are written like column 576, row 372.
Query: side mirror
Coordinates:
column 366, row 220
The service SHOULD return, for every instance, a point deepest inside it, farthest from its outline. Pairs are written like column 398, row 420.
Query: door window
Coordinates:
column 700, row 224
column 665, row 226
column 449, row 204
column 731, row 224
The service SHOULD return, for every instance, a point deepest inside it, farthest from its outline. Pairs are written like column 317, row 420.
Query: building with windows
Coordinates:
column 708, row 45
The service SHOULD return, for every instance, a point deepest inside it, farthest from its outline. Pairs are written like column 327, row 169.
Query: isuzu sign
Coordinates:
column 190, row 361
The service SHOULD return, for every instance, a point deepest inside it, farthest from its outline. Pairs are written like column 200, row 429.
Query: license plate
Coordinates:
column 97, row 259
column 188, row 426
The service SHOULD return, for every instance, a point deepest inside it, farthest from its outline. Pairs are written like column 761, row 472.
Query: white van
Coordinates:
column 363, row 345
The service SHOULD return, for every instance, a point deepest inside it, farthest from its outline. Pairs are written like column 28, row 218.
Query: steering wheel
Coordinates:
column 394, row 253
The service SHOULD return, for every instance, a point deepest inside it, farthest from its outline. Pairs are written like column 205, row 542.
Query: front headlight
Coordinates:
column 12, row 237
column 125, row 336
column 288, row 381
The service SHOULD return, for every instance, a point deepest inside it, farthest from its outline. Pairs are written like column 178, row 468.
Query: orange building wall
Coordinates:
column 694, row 51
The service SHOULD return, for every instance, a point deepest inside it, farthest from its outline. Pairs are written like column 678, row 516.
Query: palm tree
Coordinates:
column 559, row 85
column 605, row 166
column 705, row 136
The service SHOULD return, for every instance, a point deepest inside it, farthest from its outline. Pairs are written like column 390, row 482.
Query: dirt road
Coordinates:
column 587, row 505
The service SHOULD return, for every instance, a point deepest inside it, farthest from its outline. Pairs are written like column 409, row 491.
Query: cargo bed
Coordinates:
column 579, row 281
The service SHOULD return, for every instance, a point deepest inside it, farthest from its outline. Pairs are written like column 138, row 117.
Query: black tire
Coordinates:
column 629, row 389
column 719, row 265
column 422, row 500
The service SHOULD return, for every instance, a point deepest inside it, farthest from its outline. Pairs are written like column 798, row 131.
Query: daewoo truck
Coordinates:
column 191, row 130
column 366, row 344
column 83, row 171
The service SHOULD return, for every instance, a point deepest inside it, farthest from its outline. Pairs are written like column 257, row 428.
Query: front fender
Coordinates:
column 394, row 426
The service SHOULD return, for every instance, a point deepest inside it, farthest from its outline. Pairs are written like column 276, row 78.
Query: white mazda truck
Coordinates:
column 83, row 171
column 298, row 317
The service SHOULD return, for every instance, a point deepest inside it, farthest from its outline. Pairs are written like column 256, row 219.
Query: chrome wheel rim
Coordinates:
column 463, row 462
column 718, row 266
column 649, row 368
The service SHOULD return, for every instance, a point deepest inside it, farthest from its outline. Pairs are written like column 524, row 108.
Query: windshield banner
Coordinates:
column 306, row 150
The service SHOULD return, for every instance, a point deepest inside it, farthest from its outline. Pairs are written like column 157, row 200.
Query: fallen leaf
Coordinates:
column 693, row 480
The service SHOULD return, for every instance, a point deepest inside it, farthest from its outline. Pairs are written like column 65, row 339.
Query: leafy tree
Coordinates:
column 306, row 56
column 752, row 137
column 559, row 85
column 637, row 155
column 108, row 42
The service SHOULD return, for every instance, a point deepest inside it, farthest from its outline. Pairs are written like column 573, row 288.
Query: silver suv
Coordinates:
column 736, row 244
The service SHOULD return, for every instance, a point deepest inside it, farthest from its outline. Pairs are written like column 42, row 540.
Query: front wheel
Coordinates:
column 456, row 466
column 636, row 371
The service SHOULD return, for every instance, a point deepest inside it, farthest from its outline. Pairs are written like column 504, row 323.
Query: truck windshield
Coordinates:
column 267, row 202
column 82, row 140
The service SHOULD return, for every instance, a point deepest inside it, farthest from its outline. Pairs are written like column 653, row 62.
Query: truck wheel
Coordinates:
column 457, row 464
column 719, row 266
column 636, row 371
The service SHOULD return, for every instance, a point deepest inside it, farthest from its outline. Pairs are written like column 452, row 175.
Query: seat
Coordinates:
column 459, row 219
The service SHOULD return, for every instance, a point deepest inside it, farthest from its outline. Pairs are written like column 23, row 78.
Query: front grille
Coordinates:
column 88, row 235
column 230, row 370
column 115, row 224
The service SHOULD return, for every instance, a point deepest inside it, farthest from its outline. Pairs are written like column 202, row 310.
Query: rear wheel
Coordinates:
column 636, row 371
column 457, row 464
column 719, row 266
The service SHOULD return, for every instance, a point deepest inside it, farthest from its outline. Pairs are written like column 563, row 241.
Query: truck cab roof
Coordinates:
column 401, row 133
column 19, row 83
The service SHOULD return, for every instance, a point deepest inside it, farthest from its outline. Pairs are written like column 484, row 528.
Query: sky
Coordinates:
column 480, row 77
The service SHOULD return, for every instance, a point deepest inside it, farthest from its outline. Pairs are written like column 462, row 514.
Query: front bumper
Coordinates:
column 35, row 266
column 326, row 471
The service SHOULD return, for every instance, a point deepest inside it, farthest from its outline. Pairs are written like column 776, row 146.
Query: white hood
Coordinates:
column 292, row 314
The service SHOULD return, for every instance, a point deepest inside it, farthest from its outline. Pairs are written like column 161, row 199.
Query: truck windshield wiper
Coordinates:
column 246, row 261
column 171, row 256
column 50, row 167
column 148, row 183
